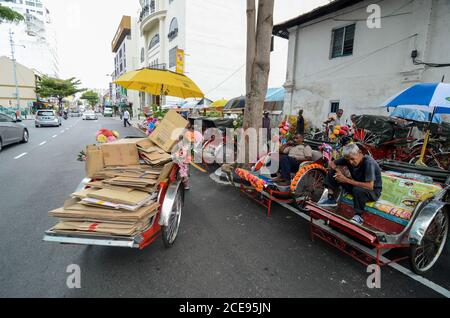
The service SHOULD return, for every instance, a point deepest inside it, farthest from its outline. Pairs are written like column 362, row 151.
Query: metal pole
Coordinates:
column 11, row 42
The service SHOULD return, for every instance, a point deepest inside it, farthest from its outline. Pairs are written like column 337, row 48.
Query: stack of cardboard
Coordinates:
column 121, row 198
column 79, row 218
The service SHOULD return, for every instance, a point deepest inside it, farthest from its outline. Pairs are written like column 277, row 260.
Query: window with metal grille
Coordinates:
column 173, row 29
column 335, row 107
column 173, row 57
column 342, row 41
column 154, row 42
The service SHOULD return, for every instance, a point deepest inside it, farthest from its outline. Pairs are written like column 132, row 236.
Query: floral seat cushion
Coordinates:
column 399, row 198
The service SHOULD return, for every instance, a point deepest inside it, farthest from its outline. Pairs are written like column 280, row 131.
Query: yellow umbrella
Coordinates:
column 219, row 103
column 160, row 82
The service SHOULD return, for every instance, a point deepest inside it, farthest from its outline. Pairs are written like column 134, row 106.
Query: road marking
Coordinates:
column 20, row 156
column 421, row 280
column 55, row 136
column 62, row 131
column 42, row 143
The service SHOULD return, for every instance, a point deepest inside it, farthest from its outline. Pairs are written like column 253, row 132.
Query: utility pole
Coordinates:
column 11, row 42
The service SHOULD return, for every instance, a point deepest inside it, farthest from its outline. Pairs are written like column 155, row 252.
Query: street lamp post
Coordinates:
column 11, row 42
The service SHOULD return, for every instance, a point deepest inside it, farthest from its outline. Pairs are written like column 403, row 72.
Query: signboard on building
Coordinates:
column 180, row 61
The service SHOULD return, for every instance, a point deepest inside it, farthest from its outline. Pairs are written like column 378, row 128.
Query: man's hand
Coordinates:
column 341, row 178
column 332, row 165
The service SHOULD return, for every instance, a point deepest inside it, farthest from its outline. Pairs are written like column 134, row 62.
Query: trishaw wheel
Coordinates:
column 170, row 232
column 424, row 256
column 310, row 186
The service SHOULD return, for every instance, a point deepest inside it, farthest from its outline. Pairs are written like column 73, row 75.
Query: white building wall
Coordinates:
column 380, row 66
column 40, row 52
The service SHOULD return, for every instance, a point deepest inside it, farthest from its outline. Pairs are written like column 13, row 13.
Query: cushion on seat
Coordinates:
column 399, row 198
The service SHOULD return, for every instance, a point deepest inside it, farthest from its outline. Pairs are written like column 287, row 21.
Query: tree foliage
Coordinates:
column 58, row 88
column 9, row 15
column 91, row 97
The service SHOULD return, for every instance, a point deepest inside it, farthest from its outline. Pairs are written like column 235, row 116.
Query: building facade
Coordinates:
column 125, row 60
column 206, row 39
column 340, row 56
column 26, row 82
column 34, row 39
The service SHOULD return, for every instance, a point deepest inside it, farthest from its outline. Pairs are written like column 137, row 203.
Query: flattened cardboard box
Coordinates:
column 166, row 134
column 131, row 198
column 94, row 161
column 123, row 152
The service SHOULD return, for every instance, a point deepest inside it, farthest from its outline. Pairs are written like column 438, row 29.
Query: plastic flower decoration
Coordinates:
column 285, row 133
column 104, row 136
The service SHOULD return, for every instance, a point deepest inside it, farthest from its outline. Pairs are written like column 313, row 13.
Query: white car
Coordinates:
column 90, row 115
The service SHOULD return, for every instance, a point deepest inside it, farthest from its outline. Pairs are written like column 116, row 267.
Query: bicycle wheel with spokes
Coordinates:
column 310, row 186
column 170, row 232
column 425, row 255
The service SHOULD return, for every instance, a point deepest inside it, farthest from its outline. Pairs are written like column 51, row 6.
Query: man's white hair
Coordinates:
column 351, row 150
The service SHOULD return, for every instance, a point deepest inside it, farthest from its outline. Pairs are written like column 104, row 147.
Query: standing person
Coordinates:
column 126, row 118
column 365, row 184
column 267, row 125
column 300, row 123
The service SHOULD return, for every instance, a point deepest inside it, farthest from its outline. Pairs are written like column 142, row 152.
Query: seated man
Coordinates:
column 292, row 155
column 365, row 184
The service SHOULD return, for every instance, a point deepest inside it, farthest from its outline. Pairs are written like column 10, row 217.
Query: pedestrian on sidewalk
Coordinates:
column 126, row 118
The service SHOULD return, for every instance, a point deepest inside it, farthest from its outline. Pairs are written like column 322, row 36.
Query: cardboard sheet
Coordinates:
column 120, row 153
column 169, row 130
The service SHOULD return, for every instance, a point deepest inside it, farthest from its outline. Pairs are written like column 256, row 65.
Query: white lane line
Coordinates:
column 62, row 131
column 20, row 156
column 432, row 285
column 42, row 143
column 55, row 136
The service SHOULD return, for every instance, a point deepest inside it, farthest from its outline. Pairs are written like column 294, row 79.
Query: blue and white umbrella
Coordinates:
column 428, row 97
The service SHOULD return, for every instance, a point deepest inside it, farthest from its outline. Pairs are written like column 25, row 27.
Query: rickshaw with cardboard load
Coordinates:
column 165, row 223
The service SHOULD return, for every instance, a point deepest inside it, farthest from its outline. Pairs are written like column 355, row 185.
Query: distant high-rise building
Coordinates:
column 34, row 39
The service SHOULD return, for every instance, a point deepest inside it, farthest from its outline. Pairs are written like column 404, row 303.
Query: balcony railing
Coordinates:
column 146, row 11
column 158, row 66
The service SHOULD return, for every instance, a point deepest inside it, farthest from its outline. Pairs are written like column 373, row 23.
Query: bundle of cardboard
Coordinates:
column 121, row 199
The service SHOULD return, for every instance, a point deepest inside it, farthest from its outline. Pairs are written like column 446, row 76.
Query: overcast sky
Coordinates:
column 85, row 29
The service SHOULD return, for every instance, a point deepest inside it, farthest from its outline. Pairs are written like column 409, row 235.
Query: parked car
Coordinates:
column 12, row 131
column 90, row 115
column 47, row 118
column 108, row 112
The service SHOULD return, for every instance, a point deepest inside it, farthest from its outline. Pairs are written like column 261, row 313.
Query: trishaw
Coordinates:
column 165, row 223
column 214, row 150
column 411, row 214
column 307, row 183
column 392, row 138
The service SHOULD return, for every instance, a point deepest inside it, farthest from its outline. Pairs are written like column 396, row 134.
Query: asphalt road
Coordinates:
column 226, row 247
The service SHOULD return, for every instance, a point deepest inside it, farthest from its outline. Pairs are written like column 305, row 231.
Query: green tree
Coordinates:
column 58, row 88
column 9, row 15
column 91, row 97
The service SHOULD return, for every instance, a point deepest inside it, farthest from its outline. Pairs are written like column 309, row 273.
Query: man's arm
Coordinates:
column 365, row 185
column 369, row 184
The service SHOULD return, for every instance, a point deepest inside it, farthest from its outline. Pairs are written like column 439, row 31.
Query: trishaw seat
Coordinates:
column 399, row 199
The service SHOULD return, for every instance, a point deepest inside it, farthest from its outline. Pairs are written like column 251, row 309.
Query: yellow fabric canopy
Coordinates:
column 160, row 82
column 219, row 103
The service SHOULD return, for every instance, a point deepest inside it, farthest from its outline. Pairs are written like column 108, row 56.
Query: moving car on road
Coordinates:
column 108, row 112
column 75, row 113
column 12, row 131
column 90, row 115
column 47, row 118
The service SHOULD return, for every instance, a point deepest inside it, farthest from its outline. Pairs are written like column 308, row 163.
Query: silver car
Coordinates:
column 47, row 118
column 12, row 131
column 90, row 115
